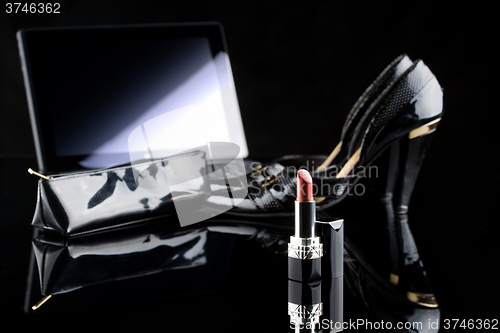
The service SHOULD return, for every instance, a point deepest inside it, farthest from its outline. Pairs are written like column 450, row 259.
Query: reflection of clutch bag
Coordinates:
column 68, row 264
column 80, row 203
column 185, row 260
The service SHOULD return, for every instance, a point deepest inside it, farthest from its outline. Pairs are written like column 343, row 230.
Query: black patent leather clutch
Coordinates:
column 87, row 202
column 99, row 200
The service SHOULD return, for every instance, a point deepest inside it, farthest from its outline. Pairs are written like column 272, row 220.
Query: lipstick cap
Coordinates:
column 331, row 232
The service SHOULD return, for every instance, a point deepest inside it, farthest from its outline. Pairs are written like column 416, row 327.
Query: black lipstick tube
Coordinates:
column 305, row 249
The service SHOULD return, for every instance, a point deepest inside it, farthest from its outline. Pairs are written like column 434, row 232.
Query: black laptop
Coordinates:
column 93, row 91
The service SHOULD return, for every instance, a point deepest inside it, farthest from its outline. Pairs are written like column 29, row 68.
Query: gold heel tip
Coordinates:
column 426, row 129
column 429, row 301
column 41, row 302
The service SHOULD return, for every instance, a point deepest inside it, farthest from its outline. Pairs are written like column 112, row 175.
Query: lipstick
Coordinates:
column 305, row 249
column 315, row 264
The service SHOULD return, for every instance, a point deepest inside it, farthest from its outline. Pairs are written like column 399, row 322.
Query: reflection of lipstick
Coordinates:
column 304, row 305
column 304, row 250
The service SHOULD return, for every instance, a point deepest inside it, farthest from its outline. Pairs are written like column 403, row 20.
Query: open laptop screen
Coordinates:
column 89, row 88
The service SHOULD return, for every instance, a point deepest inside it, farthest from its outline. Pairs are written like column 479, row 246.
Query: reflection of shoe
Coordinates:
column 383, row 301
column 405, row 160
column 403, row 110
column 407, row 271
column 410, row 276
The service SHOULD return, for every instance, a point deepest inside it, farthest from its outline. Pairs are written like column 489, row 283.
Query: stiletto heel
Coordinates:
column 413, row 151
column 405, row 160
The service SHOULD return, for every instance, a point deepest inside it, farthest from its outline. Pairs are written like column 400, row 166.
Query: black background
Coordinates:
column 299, row 64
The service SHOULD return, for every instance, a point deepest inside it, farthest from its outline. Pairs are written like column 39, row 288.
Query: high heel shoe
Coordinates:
column 409, row 107
column 406, row 153
column 359, row 113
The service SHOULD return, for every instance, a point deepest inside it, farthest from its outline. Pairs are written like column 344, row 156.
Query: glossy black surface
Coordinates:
column 287, row 61
column 159, row 262
column 254, row 269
